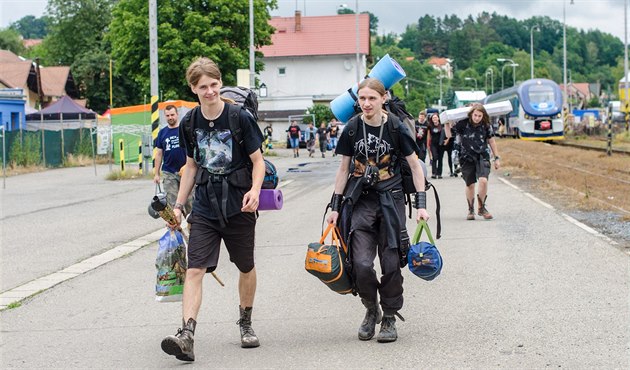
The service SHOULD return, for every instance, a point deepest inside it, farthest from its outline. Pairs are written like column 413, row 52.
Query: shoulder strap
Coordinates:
column 352, row 125
column 189, row 128
column 235, row 122
column 393, row 123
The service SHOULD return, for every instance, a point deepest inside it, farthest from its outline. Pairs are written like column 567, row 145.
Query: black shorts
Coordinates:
column 205, row 241
column 473, row 170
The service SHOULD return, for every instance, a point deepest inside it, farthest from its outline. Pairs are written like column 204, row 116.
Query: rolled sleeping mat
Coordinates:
column 494, row 109
column 387, row 70
column 270, row 199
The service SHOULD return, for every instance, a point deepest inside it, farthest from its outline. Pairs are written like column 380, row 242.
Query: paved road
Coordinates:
column 526, row 290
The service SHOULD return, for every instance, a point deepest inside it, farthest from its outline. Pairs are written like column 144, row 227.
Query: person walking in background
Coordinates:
column 436, row 151
column 322, row 138
column 378, row 216
column 309, row 137
column 224, row 208
column 446, row 145
column 293, row 134
column 421, row 134
column 170, row 157
column 333, row 132
column 475, row 135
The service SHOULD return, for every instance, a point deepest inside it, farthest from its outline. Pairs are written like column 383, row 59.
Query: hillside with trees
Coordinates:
column 86, row 34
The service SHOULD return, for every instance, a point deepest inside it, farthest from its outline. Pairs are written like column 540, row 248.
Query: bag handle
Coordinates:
column 158, row 188
column 422, row 225
column 336, row 240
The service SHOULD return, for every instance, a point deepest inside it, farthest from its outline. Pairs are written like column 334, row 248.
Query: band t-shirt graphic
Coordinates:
column 215, row 149
column 367, row 148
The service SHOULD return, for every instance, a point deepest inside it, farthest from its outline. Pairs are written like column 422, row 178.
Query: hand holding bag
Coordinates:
column 424, row 259
column 327, row 261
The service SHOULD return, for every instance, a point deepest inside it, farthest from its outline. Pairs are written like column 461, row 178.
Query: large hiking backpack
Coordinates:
column 242, row 96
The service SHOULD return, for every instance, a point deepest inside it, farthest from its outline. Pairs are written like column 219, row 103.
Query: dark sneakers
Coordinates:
column 248, row 337
column 388, row 331
column 181, row 345
column 373, row 316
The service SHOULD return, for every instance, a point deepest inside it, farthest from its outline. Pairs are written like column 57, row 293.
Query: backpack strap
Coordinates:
column 235, row 122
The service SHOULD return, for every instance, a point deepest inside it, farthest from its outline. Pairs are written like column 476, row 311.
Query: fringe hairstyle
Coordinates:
column 203, row 66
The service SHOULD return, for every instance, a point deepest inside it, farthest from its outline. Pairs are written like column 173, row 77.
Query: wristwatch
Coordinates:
column 497, row 158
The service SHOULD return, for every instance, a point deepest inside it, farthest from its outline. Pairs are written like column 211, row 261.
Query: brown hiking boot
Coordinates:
column 181, row 345
column 471, row 209
column 482, row 208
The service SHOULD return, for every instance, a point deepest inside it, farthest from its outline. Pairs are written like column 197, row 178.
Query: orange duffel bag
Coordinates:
column 329, row 262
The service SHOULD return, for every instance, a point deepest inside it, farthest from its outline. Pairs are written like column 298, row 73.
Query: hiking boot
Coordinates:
column 373, row 316
column 482, row 211
column 248, row 337
column 323, row 155
column 471, row 209
column 181, row 345
column 388, row 330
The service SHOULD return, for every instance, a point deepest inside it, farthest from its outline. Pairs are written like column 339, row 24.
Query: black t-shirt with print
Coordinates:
column 363, row 154
column 333, row 130
column 322, row 133
column 294, row 131
column 421, row 133
column 220, row 154
column 474, row 139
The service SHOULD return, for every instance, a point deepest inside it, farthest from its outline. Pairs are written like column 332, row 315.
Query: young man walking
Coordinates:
column 228, row 171
column 170, row 157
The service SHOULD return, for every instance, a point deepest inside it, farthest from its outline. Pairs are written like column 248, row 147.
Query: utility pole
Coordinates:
column 356, row 17
column 153, row 47
column 252, row 64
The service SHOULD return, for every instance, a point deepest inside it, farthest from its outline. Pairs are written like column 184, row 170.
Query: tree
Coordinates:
column 187, row 29
column 373, row 18
column 10, row 40
column 32, row 28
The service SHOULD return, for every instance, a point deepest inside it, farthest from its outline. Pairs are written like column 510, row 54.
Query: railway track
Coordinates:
column 589, row 174
column 592, row 147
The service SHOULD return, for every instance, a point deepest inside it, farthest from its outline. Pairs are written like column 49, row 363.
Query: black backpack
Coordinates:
column 393, row 126
column 242, row 96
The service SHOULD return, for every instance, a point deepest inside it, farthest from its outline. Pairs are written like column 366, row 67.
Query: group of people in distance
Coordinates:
column 326, row 136
column 371, row 156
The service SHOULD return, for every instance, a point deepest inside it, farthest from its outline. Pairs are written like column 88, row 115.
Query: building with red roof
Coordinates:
column 312, row 60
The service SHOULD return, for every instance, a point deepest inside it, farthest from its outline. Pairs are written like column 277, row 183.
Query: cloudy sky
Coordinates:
column 394, row 15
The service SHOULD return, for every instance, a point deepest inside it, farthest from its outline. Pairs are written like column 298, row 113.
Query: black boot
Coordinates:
column 248, row 337
column 388, row 330
column 181, row 345
column 373, row 316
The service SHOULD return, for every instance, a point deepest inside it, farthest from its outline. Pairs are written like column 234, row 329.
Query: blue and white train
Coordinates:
column 537, row 110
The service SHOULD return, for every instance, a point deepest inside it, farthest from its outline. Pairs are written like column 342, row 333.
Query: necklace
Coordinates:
column 211, row 120
column 370, row 123
column 378, row 143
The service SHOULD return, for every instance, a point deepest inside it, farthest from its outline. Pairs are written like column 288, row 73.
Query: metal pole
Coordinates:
column 625, row 61
column 252, row 66
column 4, row 159
column 492, row 79
column 502, row 79
column 111, row 90
column 153, row 47
column 531, row 49
column 356, row 17
column 564, row 52
column 513, row 74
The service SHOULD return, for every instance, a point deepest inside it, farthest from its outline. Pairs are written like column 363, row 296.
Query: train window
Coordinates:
column 540, row 94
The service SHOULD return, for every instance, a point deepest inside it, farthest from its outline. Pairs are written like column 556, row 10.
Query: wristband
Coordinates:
column 420, row 200
column 335, row 202
column 497, row 158
column 178, row 206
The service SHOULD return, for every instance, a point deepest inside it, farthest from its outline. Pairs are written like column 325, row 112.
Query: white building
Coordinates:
column 312, row 60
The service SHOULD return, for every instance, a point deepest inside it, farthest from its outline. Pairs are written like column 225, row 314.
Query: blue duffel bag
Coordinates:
column 423, row 258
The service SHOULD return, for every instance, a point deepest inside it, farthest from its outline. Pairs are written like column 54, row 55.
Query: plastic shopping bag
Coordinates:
column 171, row 267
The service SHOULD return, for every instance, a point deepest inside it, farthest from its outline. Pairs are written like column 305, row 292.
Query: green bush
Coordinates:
column 27, row 151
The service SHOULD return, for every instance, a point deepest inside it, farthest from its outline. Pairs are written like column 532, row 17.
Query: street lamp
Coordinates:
column 491, row 72
column 564, row 49
column 531, row 46
column 440, row 77
column 262, row 90
column 471, row 79
column 513, row 65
